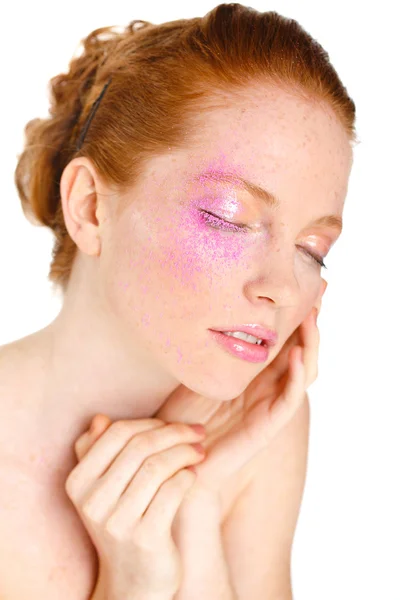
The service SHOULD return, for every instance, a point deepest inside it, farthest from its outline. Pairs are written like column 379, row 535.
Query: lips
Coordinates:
column 241, row 349
column 268, row 336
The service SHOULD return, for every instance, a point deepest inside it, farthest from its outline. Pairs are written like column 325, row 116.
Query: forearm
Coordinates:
column 205, row 569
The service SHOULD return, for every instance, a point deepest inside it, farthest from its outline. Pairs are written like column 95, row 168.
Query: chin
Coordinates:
column 220, row 391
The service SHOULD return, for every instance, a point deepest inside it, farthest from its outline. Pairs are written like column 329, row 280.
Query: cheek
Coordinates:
column 205, row 254
column 174, row 267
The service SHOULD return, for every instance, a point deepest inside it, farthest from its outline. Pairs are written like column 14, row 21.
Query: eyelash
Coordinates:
column 234, row 227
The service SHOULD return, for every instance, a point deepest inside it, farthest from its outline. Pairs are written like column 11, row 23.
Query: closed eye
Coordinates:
column 317, row 259
column 217, row 223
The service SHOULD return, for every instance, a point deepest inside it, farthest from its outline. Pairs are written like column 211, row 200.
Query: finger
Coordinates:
column 100, row 423
column 279, row 365
column 146, row 477
column 159, row 517
column 310, row 341
column 239, row 446
column 307, row 336
column 82, row 445
column 282, row 410
column 105, row 449
column 301, row 371
column 324, row 285
column 86, row 441
column 98, row 426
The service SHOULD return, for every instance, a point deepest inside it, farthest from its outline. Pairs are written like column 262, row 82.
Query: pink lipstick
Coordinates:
column 249, row 350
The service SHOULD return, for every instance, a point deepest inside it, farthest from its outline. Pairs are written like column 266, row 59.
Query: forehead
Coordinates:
column 282, row 142
column 296, row 149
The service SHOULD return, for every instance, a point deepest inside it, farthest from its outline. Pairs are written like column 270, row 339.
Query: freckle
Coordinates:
column 146, row 319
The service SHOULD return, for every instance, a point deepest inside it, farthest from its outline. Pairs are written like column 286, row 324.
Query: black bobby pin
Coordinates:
column 91, row 115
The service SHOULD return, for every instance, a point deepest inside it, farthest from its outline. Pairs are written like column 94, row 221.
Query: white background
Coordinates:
column 347, row 540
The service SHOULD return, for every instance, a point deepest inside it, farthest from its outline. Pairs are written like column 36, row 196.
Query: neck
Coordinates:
column 83, row 364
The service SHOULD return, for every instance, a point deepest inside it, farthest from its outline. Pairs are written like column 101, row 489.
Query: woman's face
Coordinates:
column 171, row 271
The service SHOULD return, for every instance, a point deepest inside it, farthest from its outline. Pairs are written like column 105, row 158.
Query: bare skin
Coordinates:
column 38, row 515
column 118, row 346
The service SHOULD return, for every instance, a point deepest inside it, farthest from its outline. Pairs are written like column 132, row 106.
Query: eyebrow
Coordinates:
column 262, row 194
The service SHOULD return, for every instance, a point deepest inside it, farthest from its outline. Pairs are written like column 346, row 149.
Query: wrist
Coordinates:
column 202, row 502
column 197, row 533
column 107, row 590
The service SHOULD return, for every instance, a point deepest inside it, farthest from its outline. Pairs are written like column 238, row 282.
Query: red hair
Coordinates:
column 162, row 77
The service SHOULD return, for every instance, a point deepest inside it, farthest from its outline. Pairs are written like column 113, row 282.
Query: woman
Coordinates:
column 194, row 175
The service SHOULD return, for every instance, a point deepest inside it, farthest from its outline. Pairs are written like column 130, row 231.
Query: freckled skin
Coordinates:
column 168, row 270
column 170, row 273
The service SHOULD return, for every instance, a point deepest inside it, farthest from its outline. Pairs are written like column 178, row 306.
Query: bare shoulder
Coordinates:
column 41, row 538
column 17, row 388
column 10, row 354
column 14, row 362
column 18, row 352
column 13, row 380
column 21, row 371
column 41, row 535
column 17, row 497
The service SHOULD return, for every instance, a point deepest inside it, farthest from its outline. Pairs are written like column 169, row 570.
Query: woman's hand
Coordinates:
column 127, row 489
column 238, row 430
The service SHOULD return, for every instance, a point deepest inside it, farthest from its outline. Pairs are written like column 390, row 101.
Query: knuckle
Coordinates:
column 154, row 464
column 181, row 479
column 187, row 429
column 119, row 530
column 126, row 427
column 140, row 443
column 71, row 485
column 182, row 429
column 113, row 531
column 90, row 510
column 120, row 428
column 187, row 476
column 142, row 538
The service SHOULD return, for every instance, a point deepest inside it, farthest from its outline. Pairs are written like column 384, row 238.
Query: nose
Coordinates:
column 276, row 280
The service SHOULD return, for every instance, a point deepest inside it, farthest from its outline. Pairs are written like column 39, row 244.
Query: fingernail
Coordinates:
column 199, row 448
column 198, row 428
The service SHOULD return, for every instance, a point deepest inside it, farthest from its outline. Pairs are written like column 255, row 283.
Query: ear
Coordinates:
column 80, row 189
